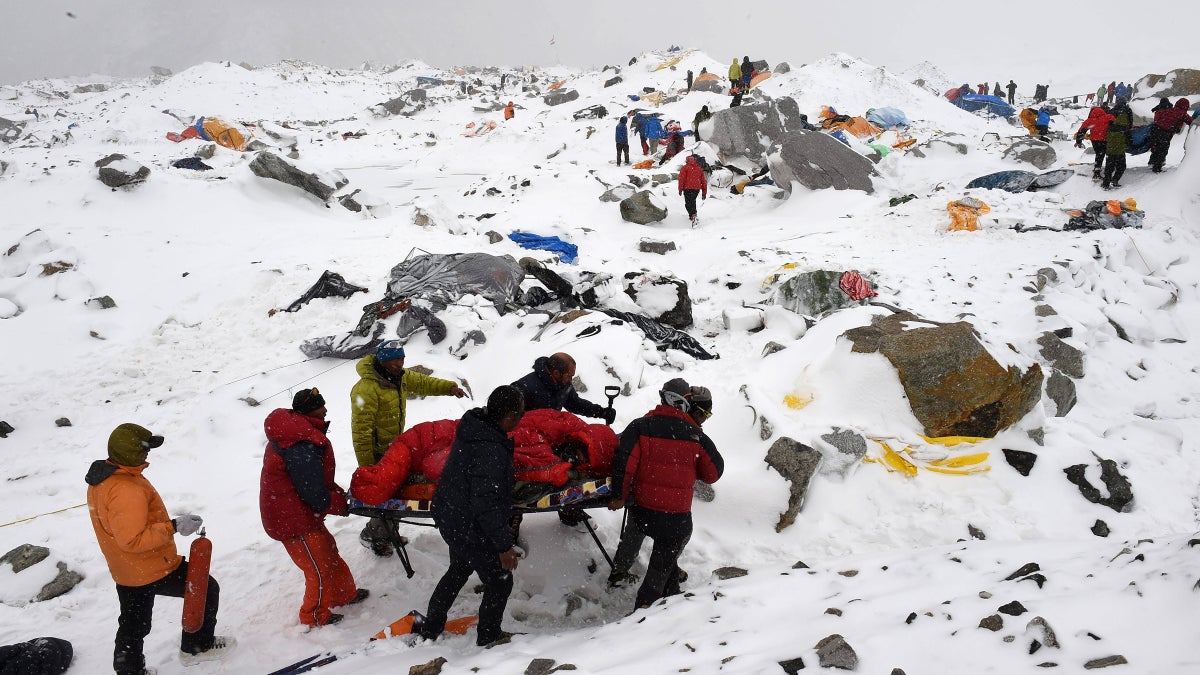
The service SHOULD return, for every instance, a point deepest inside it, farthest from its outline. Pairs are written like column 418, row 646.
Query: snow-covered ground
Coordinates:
column 196, row 262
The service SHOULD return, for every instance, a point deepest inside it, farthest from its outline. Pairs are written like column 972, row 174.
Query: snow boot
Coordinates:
column 359, row 596
column 221, row 646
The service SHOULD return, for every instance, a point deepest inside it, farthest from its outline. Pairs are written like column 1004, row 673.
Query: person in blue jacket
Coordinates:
column 1043, row 121
column 622, row 140
column 652, row 131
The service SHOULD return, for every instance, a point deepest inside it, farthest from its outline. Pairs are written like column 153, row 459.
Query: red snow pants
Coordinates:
column 327, row 579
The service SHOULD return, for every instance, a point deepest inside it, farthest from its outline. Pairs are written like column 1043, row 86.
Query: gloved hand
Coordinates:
column 187, row 523
column 610, row 416
column 1079, row 144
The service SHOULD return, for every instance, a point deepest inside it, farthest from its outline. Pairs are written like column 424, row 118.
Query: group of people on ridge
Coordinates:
column 1108, row 128
column 659, row 458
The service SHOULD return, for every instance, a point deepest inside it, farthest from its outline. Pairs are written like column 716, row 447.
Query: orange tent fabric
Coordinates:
column 964, row 214
column 706, row 76
column 759, row 78
column 557, row 85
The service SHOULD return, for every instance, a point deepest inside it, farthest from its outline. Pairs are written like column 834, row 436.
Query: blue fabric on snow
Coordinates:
column 567, row 252
column 994, row 105
column 652, row 128
column 886, row 118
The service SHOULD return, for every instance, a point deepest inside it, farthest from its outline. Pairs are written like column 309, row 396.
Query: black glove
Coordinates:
column 610, row 416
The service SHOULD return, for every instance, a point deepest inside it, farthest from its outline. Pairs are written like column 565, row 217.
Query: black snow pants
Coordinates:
column 137, row 609
column 472, row 555
column 670, row 533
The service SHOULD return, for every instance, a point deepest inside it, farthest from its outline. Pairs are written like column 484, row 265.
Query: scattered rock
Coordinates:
column 975, row 532
column 772, row 347
column 1060, row 389
column 833, row 610
column 1120, row 491
column 616, row 194
column 1020, row 460
column 729, row 572
column 993, row 623
column 642, row 208
column 1061, row 355
column 103, row 302
column 250, row 401
column 792, row 666
column 800, row 565
column 659, row 247
column 24, row 557
column 65, row 581
column 1100, row 528
column 797, row 463
column 560, row 96
column 1013, row 608
column 1023, row 570
column 433, row 667
column 62, row 422
column 595, row 112
column 160, row 71
column 653, row 292
column 270, row 165
column 834, row 652
column 5, row 429
column 612, row 80
column 117, row 170
column 1114, row 660
column 1032, row 150
column 783, row 68
column 539, row 667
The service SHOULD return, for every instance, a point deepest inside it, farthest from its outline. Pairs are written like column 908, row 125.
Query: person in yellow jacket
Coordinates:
column 735, row 73
column 378, row 403
column 137, row 538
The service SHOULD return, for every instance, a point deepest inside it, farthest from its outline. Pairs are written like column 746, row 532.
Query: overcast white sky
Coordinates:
column 969, row 39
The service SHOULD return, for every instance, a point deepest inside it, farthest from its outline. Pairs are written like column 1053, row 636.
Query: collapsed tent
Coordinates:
column 1109, row 215
column 216, row 130
column 429, row 81
column 990, row 104
column 664, row 336
column 444, row 278
column 964, row 214
column 759, row 78
column 1019, row 181
column 352, row 345
column 567, row 252
column 886, row 118
column 331, row 284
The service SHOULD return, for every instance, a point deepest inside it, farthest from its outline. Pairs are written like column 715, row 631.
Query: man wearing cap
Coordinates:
column 296, row 492
column 549, row 386
column 659, row 459
column 378, row 403
column 137, row 538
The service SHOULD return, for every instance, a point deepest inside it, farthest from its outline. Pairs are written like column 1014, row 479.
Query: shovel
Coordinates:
column 612, row 391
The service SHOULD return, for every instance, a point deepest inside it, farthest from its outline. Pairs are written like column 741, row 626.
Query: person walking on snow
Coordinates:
column 1012, row 92
column 636, row 125
column 296, row 492
column 692, row 182
column 471, row 508
column 1167, row 123
column 689, row 81
column 622, row 137
column 1098, row 120
column 1117, row 139
column 378, row 404
column 674, row 142
column 652, row 132
column 137, row 538
column 659, row 459
column 509, row 111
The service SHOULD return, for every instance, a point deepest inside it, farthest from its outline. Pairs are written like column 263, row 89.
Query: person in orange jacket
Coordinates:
column 137, row 538
column 509, row 111
column 692, row 182
column 296, row 492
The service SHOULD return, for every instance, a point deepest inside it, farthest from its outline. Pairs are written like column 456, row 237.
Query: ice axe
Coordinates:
column 612, row 391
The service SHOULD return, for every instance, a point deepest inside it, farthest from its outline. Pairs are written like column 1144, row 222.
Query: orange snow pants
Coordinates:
column 327, row 579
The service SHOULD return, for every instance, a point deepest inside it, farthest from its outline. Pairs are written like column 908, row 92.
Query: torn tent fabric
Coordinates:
column 664, row 336
column 990, row 104
column 1016, row 181
column 193, row 163
column 343, row 346
column 331, row 284
column 444, row 278
column 567, row 252
column 1112, row 214
column 964, row 214
column 215, row 130
column 853, row 285
column 886, row 118
column 914, row 458
column 415, row 318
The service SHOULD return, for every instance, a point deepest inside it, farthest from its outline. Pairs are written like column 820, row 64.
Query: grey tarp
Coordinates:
column 344, row 346
column 444, row 278
column 331, row 284
column 664, row 336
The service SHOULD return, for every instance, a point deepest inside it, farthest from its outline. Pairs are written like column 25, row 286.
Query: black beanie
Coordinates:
column 307, row 400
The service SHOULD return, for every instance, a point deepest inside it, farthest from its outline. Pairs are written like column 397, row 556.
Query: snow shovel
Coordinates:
column 612, row 391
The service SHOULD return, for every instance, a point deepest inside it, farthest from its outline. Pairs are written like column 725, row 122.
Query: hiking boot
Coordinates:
column 359, row 596
column 221, row 646
column 621, row 579
column 1104, row 186
column 333, row 619
column 1095, row 175
column 504, row 638
column 680, row 575
column 571, row 516
column 1115, row 185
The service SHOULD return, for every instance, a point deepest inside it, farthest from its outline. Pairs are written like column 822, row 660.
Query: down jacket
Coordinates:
column 1097, row 120
column 296, row 487
column 131, row 522
column 660, row 458
column 542, row 392
column 473, row 500
column 415, row 461
column 1173, row 119
column 691, row 176
column 378, row 406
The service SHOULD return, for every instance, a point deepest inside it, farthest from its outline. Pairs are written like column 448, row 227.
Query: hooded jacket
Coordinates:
column 691, row 176
column 542, row 392
column 659, row 459
column 622, row 132
column 1098, row 120
column 1172, row 119
column 378, row 406
column 735, row 71
column 1118, row 130
column 131, row 523
column 474, row 496
column 296, row 486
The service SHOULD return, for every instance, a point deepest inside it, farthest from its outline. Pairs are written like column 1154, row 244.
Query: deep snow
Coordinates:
column 195, row 261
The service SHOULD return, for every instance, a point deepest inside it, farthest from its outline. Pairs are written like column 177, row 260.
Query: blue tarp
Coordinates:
column 429, row 81
column 1139, row 140
column 992, row 104
column 886, row 118
column 566, row 252
column 1020, row 181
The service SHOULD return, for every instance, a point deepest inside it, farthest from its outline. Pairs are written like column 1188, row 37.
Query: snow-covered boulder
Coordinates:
column 270, row 165
column 560, row 96
column 1032, row 150
column 643, row 208
column 818, row 161
column 117, row 170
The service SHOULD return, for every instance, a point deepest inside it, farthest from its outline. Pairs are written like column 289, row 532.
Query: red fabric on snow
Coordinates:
column 853, row 285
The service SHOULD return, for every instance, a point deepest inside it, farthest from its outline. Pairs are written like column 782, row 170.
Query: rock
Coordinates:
column 24, row 557
column 659, row 247
column 833, row 611
column 3, row 167
column 1114, row 660
column 975, row 532
column 712, row 86
column 65, row 581
column 664, row 299
column 1100, row 528
column 62, row 422
column 814, row 293
column 270, row 165
column 433, row 667
column 1178, row 82
column 1023, row 570
column 834, row 652
column 797, row 463
column 117, row 170
column 1120, row 491
column 642, row 208
column 160, row 71
column 782, row 68
column 1032, row 150
column 818, row 161
column 617, row 193
column 993, row 623
column 90, row 88
column 560, row 97
column 1041, row 631
column 746, row 131
column 1013, row 608
column 1061, row 355
column 1046, row 276
column 416, row 95
column 394, row 106
column 5, row 429
column 792, row 666
column 933, row 360
column 10, row 130
column 539, row 667
column 772, row 347
column 102, row 302
column 595, row 112
column 661, row 179
column 494, row 237
column 1020, row 460
column 729, row 572
column 849, row 448
column 955, row 142
column 1060, row 389
column 612, row 80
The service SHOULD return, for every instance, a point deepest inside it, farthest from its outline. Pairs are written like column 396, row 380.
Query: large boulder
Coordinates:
column 642, row 208
column 782, row 68
column 818, row 161
column 954, row 386
column 813, row 293
column 270, row 165
column 797, row 463
column 117, row 170
column 1035, row 151
column 1178, row 82
column 713, row 86
column 560, row 96
column 745, row 131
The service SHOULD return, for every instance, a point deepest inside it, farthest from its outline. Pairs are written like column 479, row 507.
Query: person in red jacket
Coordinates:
column 1097, row 121
column 1167, row 123
column 296, row 492
column 692, row 182
column 660, row 457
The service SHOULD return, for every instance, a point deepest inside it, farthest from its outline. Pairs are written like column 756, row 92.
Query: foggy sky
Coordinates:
column 969, row 39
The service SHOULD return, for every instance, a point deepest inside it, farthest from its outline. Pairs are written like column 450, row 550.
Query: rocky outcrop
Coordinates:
column 642, row 208
column 797, row 463
column 818, row 161
column 270, row 165
column 1032, row 150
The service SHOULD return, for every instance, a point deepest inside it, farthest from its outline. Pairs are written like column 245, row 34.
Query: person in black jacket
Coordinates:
column 1012, row 92
column 549, row 386
column 471, row 508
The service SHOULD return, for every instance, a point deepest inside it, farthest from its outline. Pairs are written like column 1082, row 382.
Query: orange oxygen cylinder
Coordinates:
column 196, row 591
